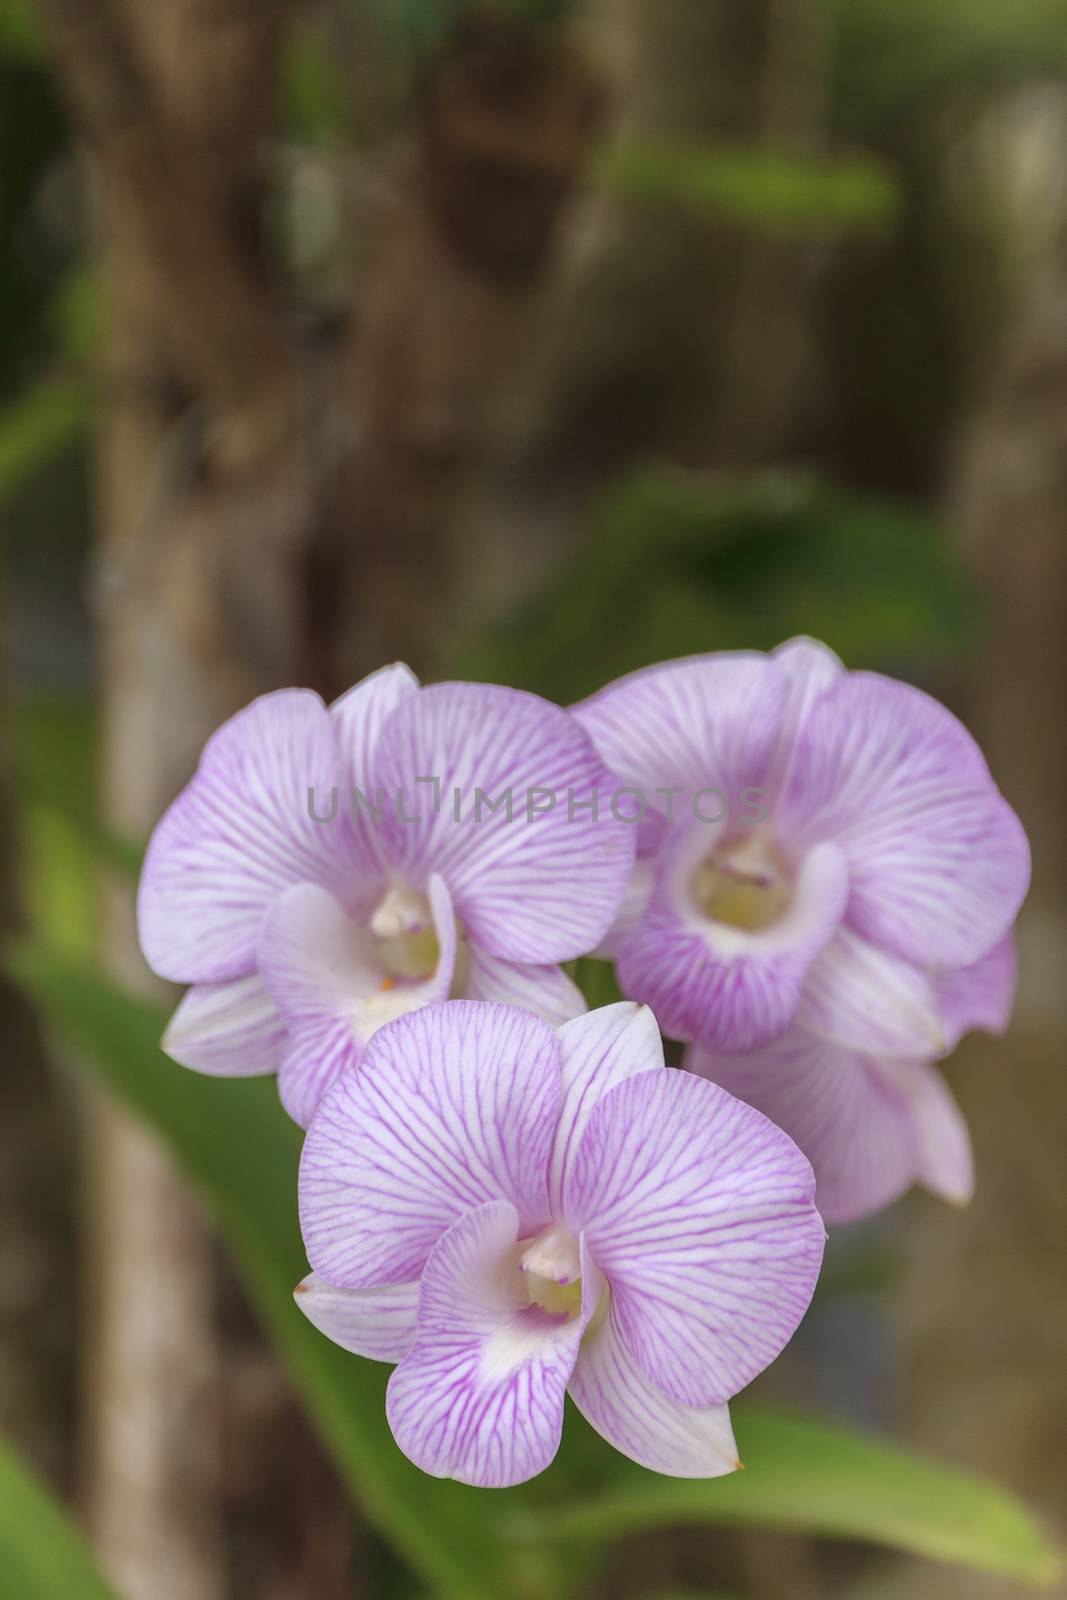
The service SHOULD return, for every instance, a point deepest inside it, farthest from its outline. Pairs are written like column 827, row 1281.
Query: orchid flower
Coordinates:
column 327, row 870
column 512, row 1213
column 871, row 1126
column 827, row 926
column 881, row 855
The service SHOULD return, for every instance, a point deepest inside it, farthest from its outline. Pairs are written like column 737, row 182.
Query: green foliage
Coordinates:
column 769, row 191
column 895, row 52
column 78, row 315
column 596, row 980
column 420, row 21
column 20, row 30
column 677, row 564
column 803, row 1475
column 37, row 428
column 42, row 1556
column 237, row 1144
column 314, row 94
column 61, row 841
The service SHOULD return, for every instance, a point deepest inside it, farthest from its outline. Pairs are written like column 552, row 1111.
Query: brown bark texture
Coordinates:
column 271, row 510
column 984, row 1347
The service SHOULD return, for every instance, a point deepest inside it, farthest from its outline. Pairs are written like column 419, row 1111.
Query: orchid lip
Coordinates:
column 553, row 1268
column 743, row 884
column 403, row 926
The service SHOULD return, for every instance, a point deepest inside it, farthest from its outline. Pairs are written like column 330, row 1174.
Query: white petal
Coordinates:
column 480, row 1395
column 979, row 996
column 705, row 722
column 319, row 1050
column 546, row 991
column 541, row 884
column 230, row 1030
column 616, row 1398
column 810, row 669
column 635, row 902
column 944, row 1160
column 939, row 863
column 597, row 1051
column 324, row 971
column 863, row 998
column 453, row 1105
column 376, row 1323
column 360, row 716
column 700, row 1214
column 870, row 1128
column 240, row 833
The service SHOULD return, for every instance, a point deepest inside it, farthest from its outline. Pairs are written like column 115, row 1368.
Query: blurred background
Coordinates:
column 535, row 341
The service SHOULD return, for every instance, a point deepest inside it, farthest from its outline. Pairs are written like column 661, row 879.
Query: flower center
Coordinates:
column 402, row 925
column 744, row 884
column 553, row 1269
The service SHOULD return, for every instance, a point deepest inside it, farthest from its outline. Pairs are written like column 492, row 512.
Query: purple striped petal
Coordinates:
column 979, row 996
column 318, row 1052
column 359, row 717
column 597, row 1051
column 479, row 1396
column 945, row 1158
column 238, row 834
column 635, row 903
column 810, row 669
column 863, row 998
column 229, row 1030
column 705, row 722
column 453, row 1105
column 326, row 974
column 939, row 862
column 724, row 986
column 700, row 1214
column 869, row 1128
column 319, row 966
column 541, row 887
column 546, row 991
column 376, row 1323
column 314, row 958
column 641, row 1422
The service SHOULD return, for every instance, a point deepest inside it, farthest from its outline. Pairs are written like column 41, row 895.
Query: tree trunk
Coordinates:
column 174, row 99
column 985, row 1313
column 267, row 516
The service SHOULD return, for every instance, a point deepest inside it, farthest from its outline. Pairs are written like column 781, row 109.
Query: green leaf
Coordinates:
column 596, row 980
column 42, row 1555
column 768, row 190
column 78, row 314
column 20, row 30
column 698, row 562
column 35, row 429
column 897, row 57
column 815, row 1478
column 236, row 1143
column 313, row 86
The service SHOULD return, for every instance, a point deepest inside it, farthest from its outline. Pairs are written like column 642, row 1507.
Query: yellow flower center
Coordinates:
column 407, row 942
column 553, row 1270
column 745, row 885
